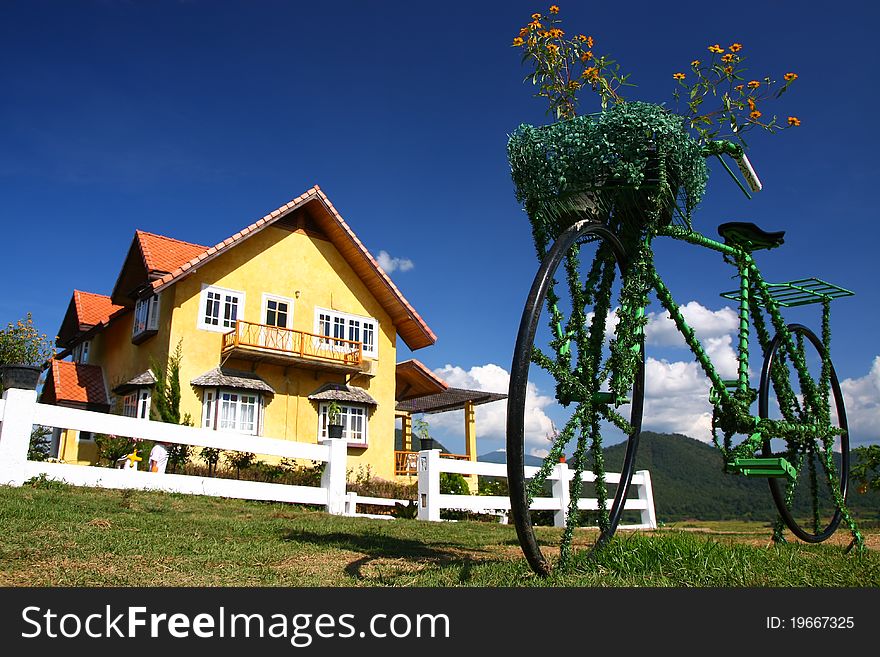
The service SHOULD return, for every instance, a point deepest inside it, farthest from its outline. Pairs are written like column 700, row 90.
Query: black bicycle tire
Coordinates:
column 777, row 490
column 518, row 492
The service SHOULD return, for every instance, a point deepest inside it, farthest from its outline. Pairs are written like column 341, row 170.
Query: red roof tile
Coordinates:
column 164, row 254
column 76, row 383
column 92, row 309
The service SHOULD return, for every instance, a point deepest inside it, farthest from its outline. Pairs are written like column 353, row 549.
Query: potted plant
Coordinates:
column 334, row 421
column 632, row 165
column 24, row 351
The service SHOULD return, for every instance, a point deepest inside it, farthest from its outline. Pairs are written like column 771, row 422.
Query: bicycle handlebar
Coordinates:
column 718, row 148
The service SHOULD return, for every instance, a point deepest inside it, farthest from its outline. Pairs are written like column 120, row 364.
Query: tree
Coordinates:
column 167, row 395
column 867, row 470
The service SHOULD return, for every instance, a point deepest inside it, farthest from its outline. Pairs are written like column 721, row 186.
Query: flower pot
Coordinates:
column 426, row 443
column 335, row 430
column 20, row 376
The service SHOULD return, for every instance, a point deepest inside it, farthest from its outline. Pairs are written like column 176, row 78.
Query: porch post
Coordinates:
column 470, row 431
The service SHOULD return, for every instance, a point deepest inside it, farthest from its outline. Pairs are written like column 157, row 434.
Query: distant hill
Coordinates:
column 500, row 456
column 689, row 482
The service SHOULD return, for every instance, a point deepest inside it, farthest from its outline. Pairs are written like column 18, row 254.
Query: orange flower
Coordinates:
column 532, row 41
column 581, row 38
column 536, row 17
column 535, row 25
column 589, row 42
column 574, row 85
column 754, row 84
column 739, row 87
column 788, row 77
column 524, row 32
column 554, row 9
column 794, row 121
column 587, row 55
column 695, row 63
column 556, row 33
column 751, row 103
column 716, row 49
column 518, row 41
column 736, row 47
column 678, row 76
column 728, row 70
column 552, row 48
column 591, row 73
column 755, row 115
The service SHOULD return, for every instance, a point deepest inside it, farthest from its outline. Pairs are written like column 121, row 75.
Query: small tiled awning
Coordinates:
column 450, row 399
column 143, row 380
column 342, row 393
column 223, row 377
column 75, row 384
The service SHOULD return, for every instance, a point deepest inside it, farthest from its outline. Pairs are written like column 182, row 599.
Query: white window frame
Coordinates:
column 347, row 413
column 224, row 293
column 137, row 403
column 345, row 322
column 146, row 315
column 81, row 352
column 212, row 401
column 267, row 297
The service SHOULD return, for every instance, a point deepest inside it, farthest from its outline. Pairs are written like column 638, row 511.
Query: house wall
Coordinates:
column 282, row 262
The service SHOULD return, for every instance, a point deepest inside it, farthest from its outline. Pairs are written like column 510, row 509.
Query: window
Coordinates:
column 354, row 423
column 277, row 311
column 219, row 308
column 146, row 317
column 231, row 410
column 137, row 403
column 81, row 352
column 343, row 326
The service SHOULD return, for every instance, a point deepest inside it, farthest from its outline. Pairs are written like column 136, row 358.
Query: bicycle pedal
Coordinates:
column 777, row 468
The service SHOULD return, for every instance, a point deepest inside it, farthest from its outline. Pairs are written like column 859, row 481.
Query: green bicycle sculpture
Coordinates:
column 599, row 191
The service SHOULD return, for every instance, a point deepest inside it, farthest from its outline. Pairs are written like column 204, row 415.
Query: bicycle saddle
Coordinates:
column 749, row 237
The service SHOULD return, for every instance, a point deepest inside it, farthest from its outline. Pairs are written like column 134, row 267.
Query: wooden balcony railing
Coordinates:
column 407, row 463
column 295, row 344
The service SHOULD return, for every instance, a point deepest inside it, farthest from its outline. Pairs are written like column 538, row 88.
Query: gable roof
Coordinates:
column 149, row 257
column 409, row 324
column 413, row 380
column 75, row 384
column 86, row 310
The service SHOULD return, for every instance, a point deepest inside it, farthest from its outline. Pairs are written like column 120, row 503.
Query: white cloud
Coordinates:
column 707, row 324
column 491, row 418
column 390, row 264
column 862, row 399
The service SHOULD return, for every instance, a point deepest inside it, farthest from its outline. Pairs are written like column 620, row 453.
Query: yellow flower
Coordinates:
column 532, row 41
column 751, row 103
column 754, row 84
column 755, row 115
column 552, row 48
column 794, row 121
column 535, row 25
column 574, row 85
column 739, row 87
column 518, row 41
column 716, row 49
column 581, row 38
column 587, row 55
column 695, row 63
column 591, row 73
column 727, row 58
column 678, row 76
column 556, row 33
column 536, row 17
column 589, row 42
column 790, row 76
column 554, row 9
column 736, row 47
column 524, row 32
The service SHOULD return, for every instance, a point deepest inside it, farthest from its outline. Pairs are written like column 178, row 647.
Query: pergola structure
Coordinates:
column 420, row 391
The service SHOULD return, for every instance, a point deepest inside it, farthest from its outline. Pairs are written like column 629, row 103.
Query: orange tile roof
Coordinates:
column 76, row 383
column 165, row 254
column 410, row 325
column 92, row 309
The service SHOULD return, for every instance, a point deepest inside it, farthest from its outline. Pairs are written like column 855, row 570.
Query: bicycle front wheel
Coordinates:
column 573, row 346
column 812, row 504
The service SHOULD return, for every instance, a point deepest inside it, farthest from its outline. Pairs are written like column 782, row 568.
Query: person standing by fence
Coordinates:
column 159, row 457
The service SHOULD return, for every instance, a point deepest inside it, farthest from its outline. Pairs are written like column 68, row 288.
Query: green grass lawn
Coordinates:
column 57, row 535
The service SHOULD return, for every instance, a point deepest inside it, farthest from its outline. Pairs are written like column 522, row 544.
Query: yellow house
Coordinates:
column 275, row 322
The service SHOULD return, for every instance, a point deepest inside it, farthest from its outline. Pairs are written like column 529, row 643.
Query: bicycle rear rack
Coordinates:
column 800, row 292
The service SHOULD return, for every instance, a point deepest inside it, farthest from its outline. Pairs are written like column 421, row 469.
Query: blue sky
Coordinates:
column 192, row 119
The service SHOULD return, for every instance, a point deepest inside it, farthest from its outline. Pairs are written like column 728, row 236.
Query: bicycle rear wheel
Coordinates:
column 811, row 505
column 582, row 385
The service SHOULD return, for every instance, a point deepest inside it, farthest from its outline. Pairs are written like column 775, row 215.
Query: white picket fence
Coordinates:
column 19, row 411
column 431, row 501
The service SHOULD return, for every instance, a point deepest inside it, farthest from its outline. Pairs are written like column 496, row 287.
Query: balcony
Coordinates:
column 282, row 346
column 407, row 463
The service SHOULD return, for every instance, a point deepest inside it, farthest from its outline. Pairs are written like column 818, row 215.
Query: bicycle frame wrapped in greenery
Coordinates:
column 614, row 180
